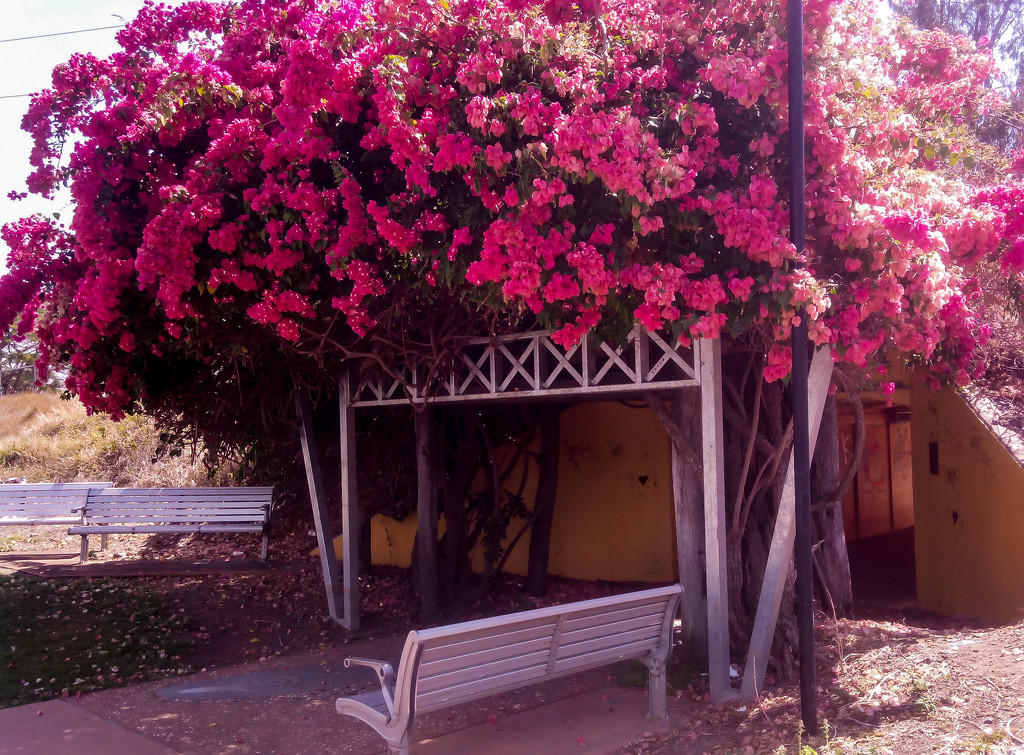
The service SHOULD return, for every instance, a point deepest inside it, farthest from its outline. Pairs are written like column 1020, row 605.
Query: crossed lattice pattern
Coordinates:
column 531, row 365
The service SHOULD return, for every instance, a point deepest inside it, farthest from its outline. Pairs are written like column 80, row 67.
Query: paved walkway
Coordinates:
column 57, row 727
column 585, row 713
column 601, row 720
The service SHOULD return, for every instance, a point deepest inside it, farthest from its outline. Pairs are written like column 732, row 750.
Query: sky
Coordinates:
column 25, row 67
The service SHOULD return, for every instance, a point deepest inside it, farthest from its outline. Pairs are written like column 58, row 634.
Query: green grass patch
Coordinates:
column 59, row 639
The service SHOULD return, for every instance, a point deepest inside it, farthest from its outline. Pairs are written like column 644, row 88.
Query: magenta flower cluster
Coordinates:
column 296, row 162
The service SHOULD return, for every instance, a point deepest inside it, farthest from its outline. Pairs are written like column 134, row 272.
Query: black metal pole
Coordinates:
column 801, row 441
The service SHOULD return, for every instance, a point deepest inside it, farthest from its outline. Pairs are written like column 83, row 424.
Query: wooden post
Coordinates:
column 687, row 498
column 349, row 501
column 713, row 447
column 781, row 553
column 321, row 517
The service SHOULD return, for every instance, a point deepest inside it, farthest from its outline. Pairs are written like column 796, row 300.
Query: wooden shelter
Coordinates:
column 530, row 367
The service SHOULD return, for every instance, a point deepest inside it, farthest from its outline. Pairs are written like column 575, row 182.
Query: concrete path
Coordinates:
column 62, row 728
column 600, row 721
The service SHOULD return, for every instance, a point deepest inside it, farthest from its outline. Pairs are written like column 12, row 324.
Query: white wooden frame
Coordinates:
column 532, row 366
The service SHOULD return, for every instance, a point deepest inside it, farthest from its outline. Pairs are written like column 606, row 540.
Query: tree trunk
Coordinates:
column 544, row 501
column 426, row 509
column 687, row 492
column 831, row 558
column 456, row 570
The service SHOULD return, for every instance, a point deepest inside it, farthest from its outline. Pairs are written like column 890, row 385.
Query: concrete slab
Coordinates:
column 59, row 728
column 599, row 721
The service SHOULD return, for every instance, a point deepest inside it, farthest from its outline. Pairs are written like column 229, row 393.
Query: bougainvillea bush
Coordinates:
column 270, row 187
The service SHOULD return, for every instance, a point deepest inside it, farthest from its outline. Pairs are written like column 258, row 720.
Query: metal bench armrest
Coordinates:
column 385, row 675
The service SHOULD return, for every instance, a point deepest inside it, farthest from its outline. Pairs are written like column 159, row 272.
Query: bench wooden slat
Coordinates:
column 571, row 631
column 130, row 504
column 430, row 679
column 594, row 618
column 634, row 641
column 150, row 515
column 431, row 666
column 226, row 494
column 154, row 529
column 192, row 503
column 464, row 644
column 477, row 688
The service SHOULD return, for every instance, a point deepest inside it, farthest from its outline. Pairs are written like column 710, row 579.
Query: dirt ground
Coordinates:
column 890, row 680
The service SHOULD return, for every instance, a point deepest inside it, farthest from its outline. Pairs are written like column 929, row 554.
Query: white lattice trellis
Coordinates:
column 530, row 365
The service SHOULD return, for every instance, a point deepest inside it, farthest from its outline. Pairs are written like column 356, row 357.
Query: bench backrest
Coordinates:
column 462, row 662
column 221, row 505
column 45, row 502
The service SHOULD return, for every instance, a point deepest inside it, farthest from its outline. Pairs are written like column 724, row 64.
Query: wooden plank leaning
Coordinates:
column 781, row 553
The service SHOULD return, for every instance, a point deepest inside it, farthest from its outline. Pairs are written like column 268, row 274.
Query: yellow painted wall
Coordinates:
column 613, row 515
column 969, row 518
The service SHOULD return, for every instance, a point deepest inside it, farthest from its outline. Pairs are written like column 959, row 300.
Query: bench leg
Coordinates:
column 85, row 549
column 266, row 546
column 103, row 541
column 658, row 689
column 399, row 747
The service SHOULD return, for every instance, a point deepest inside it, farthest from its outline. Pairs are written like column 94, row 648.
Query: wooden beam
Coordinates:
column 713, row 447
column 321, row 517
column 349, row 502
column 687, row 495
column 781, row 553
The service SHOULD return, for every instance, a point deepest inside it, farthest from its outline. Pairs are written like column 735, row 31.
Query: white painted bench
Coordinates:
column 39, row 503
column 454, row 664
column 175, row 510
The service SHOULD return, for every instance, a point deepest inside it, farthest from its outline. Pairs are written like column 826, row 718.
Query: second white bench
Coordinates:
column 175, row 510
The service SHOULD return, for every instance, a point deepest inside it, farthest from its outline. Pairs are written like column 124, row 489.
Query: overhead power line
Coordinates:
column 13, row 96
column 61, row 33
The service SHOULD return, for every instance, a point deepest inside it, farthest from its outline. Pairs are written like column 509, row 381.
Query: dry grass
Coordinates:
column 46, row 439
